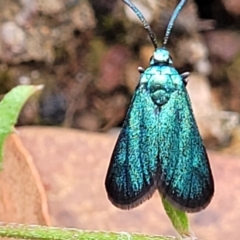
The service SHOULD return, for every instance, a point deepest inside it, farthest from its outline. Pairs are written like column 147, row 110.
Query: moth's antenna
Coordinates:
column 144, row 22
column 171, row 22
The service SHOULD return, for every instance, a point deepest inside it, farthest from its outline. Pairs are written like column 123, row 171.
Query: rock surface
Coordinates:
column 72, row 165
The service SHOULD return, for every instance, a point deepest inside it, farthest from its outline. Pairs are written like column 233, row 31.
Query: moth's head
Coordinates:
column 161, row 55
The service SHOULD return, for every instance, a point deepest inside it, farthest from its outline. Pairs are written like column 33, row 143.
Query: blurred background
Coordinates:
column 86, row 54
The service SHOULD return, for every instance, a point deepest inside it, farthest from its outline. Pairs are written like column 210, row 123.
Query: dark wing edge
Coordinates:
column 189, row 206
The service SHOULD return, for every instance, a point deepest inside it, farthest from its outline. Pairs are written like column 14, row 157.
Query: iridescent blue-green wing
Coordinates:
column 185, row 179
column 131, row 176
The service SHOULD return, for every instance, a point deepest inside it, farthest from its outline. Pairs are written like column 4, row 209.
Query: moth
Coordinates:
column 159, row 146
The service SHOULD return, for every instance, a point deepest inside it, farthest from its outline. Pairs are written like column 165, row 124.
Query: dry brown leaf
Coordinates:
column 23, row 198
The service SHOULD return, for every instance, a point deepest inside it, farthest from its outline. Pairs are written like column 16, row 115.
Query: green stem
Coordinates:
column 179, row 220
column 13, row 230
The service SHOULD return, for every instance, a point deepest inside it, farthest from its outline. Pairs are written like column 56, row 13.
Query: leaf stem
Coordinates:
column 14, row 230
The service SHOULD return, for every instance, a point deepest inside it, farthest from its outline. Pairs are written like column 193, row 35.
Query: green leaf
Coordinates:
column 10, row 107
column 178, row 218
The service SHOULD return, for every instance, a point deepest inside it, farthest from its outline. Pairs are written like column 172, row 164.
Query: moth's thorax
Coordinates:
column 161, row 79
